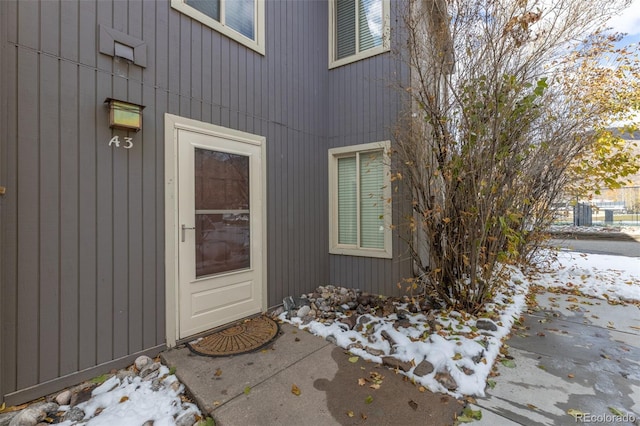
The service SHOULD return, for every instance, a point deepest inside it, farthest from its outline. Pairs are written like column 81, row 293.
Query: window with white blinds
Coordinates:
column 358, row 29
column 241, row 20
column 360, row 194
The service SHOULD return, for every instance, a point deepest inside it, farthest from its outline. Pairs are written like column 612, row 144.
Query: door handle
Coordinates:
column 184, row 228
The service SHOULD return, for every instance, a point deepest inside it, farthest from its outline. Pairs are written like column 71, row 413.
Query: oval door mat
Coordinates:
column 246, row 336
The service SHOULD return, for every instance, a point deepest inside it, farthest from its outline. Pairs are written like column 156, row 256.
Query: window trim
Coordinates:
column 257, row 45
column 358, row 56
column 348, row 249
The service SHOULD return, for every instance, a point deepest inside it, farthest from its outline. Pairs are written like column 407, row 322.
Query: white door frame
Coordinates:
column 171, row 125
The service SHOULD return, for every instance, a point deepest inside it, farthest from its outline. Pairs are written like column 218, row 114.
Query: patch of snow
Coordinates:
column 603, row 276
column 458, row 347
column 132, row 401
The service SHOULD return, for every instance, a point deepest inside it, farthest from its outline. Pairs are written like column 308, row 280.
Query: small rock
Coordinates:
column 374, row 352
column 486, row 324
column 27, row 417
column 426, row 306
column 478, row 357
column 63, row 398
column 446, row 380
column 467, row 371
column 364, row 299
column 424, row 368
column 387, row 336
column 403, row 314
column 392, row 362
column 402, row 323
column 124, row 375
column 350, row 321
column 149, row 369
column 34, row 414
column 175, row 386
column 361, row 309
column 5, row 418
column 156, row 385
column 291, row 303
column 142, row 361
column 312, row 313
column 356, row 345
column 364, row 320
column 81, row 395
column 388, row 308
column 331, row 339
column 303, row 311
column 151, row 376
column 288, row 303
column 276, row 312
column 187, row 418
column 74, row 414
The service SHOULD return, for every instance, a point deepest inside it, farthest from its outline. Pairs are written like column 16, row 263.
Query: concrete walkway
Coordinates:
column 574, row 354
column 256, row 388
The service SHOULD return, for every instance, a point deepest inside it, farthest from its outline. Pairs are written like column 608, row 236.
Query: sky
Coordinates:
column 628, row 22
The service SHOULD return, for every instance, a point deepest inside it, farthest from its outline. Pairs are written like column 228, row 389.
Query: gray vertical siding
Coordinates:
column 82, row 286
column 366, row 99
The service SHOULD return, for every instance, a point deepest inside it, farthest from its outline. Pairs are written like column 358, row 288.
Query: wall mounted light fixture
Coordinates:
column 124, row 115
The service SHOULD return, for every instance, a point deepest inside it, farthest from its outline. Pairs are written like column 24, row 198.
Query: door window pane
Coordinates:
column 221, row 212
column 222, row 180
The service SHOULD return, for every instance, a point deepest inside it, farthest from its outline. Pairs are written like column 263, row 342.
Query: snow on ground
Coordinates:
column 459, row 347
column 629, row 230
column 615, row 278
column 131, row 401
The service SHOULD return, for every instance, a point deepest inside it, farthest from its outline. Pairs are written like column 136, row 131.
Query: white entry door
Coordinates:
column 220, row 229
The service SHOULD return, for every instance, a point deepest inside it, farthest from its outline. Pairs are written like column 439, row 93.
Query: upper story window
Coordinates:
column 358, row 29
column 241, row 20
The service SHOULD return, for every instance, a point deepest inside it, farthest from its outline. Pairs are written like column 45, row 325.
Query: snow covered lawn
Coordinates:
column 462, row 349
column 614, row 278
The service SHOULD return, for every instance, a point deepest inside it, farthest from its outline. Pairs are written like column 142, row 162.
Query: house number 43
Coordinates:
column 127, row 144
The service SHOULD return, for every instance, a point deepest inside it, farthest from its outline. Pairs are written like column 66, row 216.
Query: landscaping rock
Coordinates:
column 388, row 337
column 34, row 414
column 142, row 361
column 74, row 414
column 63, row 398
column 446, row 380
column 350, row 321
column 424, row 368
column 149, row 369
column 395, row 363
column 486, row 324
column 304, row 311
column 374, row 352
